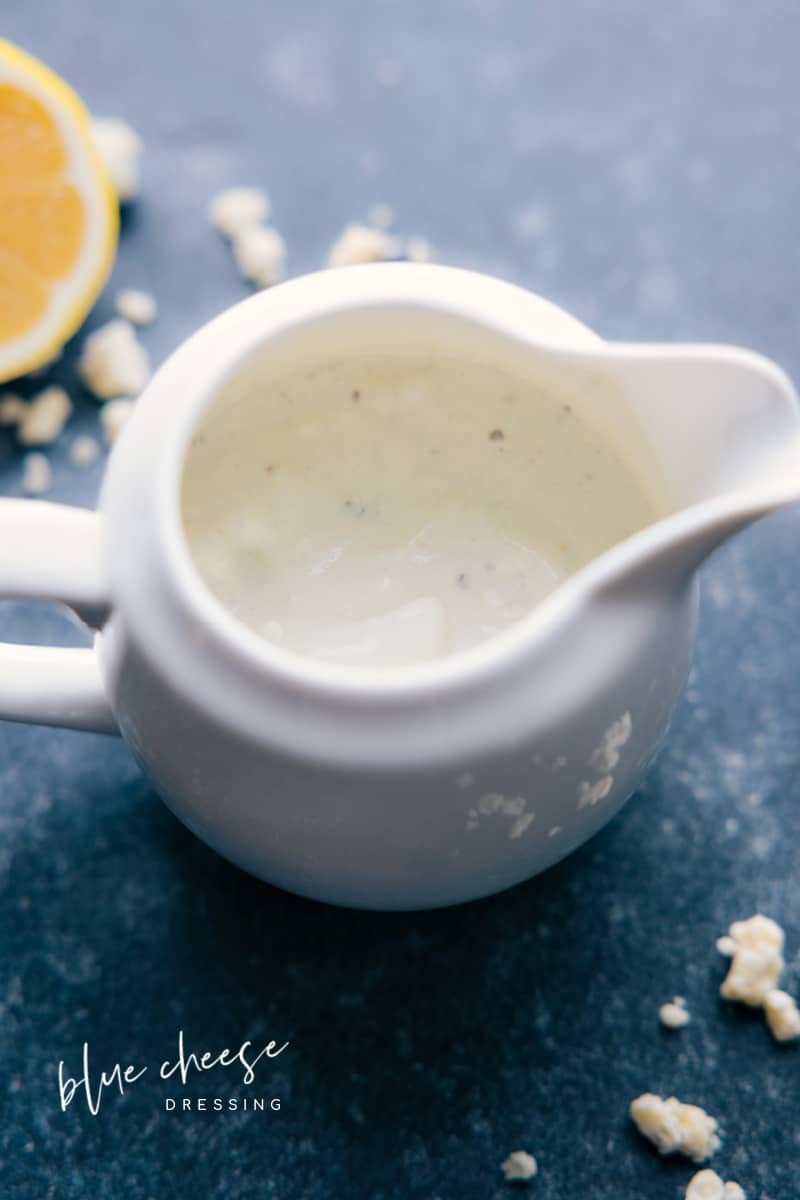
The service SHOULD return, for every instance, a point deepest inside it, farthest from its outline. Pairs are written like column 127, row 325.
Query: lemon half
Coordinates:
column 59, row 218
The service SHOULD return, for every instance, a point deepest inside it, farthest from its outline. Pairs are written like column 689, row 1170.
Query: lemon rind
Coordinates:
column 69, row 299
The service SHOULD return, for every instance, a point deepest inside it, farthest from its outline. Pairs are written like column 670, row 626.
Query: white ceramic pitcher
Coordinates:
column 454, row 778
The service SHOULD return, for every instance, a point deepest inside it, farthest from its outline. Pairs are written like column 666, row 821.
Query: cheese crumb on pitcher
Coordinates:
column 675, row 1014
column 519, row 1167
column 44, row 417
column 676, row 1128
column 707, row 1185
column 113, row 361
column 606, row 756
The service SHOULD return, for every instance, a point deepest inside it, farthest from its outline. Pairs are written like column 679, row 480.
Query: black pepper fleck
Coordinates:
column 496, row 435
column 461, row 580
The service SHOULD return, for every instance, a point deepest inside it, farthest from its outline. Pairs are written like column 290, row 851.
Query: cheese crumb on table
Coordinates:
column 36, row 476
column 113, row 362
column 136, row 306
column 236, row 209
column 113, row 417
column 44, row 418
column 361, row 244
column 371, row 243
column 418, row 250
column 381, row 216
column 12, row 408
column 519, row 1167
column 260, row 255
column 675, row 1014
column 755, row 948
column 707, row 1185
column 783, row 1015
column 676, row 1128
column 84, row 450
column 120, row 148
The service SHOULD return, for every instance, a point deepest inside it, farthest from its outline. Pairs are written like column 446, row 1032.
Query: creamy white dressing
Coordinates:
column 386, row 510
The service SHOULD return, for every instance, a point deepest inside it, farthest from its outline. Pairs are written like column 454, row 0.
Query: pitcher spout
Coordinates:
column 720, row 427
column 664, row 558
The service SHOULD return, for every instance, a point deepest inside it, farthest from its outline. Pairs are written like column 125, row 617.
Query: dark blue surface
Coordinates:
column 640, row 166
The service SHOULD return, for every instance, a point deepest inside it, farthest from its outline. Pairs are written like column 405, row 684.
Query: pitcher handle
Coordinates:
column 53, row 552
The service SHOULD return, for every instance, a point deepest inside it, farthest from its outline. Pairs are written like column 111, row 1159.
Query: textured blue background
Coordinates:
column 639, row 164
